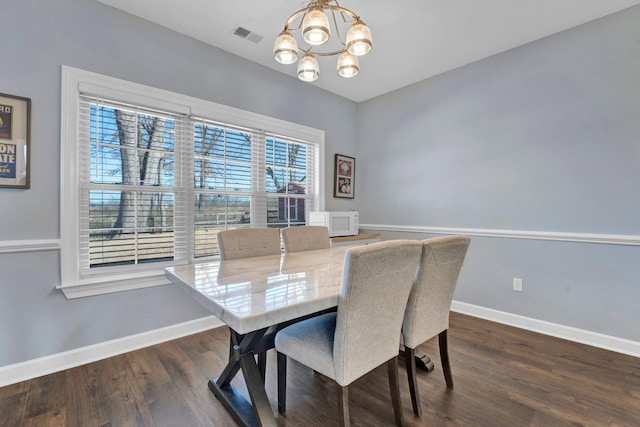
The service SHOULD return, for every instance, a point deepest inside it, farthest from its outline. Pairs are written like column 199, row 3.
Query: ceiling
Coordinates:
column 412, row 39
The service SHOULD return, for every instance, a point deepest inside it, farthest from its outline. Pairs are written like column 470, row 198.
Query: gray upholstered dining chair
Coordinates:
column 248, row 242
column 363, row 333
column 305, row 238
column 427, row 312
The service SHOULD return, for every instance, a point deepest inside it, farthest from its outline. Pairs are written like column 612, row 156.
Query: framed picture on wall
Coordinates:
column 344, row 180
column 15, row 116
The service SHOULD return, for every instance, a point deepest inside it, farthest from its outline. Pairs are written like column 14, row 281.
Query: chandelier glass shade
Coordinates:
column 308, row 68
column 359, row 39
column 286, row 49
column 316, row 29
column 348, row 65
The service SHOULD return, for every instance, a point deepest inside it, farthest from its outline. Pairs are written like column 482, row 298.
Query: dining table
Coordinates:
column 255, row 297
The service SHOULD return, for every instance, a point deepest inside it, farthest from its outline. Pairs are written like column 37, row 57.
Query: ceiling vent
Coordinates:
column 247, row 34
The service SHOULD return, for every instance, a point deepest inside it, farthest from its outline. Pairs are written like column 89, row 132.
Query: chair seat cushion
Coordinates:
column 310, row 341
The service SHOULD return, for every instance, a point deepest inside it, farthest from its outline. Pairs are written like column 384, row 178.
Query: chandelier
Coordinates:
column 315, row 28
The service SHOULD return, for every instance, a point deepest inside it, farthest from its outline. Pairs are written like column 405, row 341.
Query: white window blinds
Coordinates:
column 130, row 176
column 246, row 177
column 145, row 185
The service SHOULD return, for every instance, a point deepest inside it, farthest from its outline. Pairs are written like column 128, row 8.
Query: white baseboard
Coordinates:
column 619, row 345
column 34, row 368
column 23, row 371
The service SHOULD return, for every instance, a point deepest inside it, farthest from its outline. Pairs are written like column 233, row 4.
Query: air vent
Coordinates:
column 247, row 34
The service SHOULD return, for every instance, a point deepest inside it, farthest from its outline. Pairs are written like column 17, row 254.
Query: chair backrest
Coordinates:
column 305, row 238
column 376, row 281
column 248, row 242
column 427, row 312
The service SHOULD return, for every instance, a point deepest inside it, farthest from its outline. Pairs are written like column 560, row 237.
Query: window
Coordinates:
column 150, row 177
column 127, row 201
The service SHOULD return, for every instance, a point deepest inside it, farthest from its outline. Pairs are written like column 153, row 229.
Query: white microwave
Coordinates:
column 339, row 223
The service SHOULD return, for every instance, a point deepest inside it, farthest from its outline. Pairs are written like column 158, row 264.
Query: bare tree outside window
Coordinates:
column 132, row 152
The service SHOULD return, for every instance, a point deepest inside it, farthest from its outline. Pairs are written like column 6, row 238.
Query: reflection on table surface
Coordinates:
column 252, row 293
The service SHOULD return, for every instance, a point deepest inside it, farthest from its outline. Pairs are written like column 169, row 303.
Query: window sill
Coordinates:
column 91, row 289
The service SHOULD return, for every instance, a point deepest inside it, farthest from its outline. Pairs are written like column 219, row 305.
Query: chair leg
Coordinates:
column 410, row 360
column 282, row 382
column 394, row 387
column 444, row 358
column 343, row 405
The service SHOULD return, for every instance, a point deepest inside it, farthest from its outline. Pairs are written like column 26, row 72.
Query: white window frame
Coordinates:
column 74, row 81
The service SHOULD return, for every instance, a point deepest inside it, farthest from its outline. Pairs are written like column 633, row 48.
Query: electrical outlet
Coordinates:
column 517, row 284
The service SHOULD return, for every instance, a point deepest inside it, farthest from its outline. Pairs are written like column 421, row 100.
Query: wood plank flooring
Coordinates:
column 503, row 377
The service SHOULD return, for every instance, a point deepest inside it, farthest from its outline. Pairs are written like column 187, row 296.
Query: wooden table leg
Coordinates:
column 242, row 358
column 422, row 360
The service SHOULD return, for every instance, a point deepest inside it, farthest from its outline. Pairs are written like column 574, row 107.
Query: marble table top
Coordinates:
column 253, row 293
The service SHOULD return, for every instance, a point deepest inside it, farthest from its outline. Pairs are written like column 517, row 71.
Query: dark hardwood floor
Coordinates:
column 503, row 377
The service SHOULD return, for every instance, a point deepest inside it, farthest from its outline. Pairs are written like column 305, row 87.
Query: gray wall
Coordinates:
column 544, row 137
column 36, row 320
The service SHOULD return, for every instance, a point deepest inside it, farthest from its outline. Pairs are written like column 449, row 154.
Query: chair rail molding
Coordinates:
column 610, row 239
column 36, row 245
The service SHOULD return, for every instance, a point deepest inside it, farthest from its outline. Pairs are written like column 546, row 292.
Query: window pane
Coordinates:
column 212, row 141
column 238, row 177
column 215, row 212
column 130, row 227
column 238, row 145
column 275, row 179
column 223, row 159
column 154, row 246
column 106, row 165
column 208, row 140
column 130, row 148
column 273, row 214
column 285, row 211
column 298, row 157
column 286, row 163
column 276, row 152
column 209, row 174
column 103, row 210
column 155, row 211
column 103, row 125
column 106, row 250
column 284, row 181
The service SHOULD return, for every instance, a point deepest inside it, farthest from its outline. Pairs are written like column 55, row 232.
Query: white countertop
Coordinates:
column 253, row 293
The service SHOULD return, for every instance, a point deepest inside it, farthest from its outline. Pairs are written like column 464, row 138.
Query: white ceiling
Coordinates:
column 412, row 39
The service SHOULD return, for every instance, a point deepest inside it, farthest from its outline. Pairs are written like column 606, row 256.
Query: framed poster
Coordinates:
column 15, row 117
column 344, row 180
